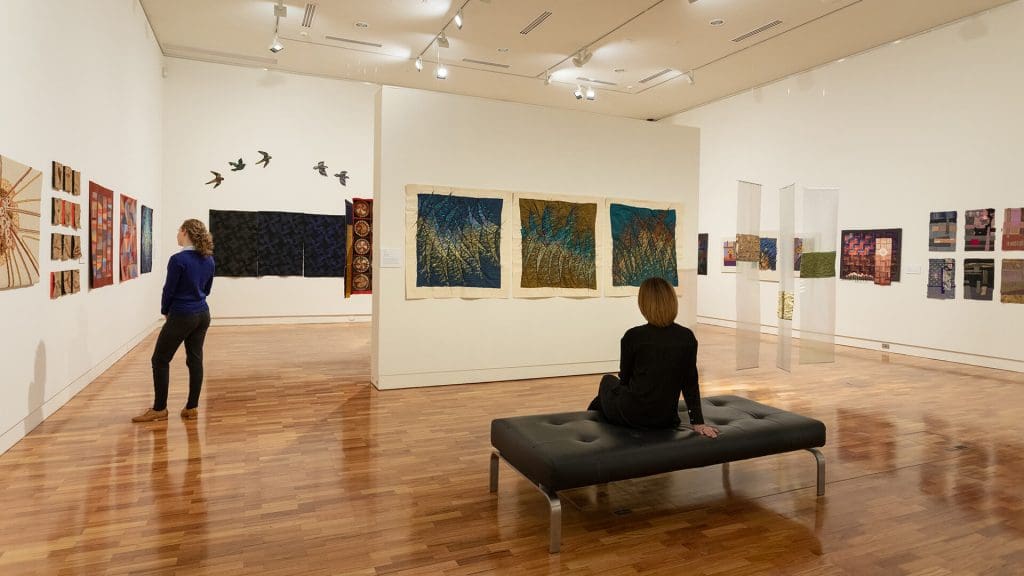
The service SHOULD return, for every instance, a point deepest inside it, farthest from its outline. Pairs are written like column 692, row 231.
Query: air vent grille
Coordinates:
column 307, row 18
column 536, row 22
column 757, row 31
column 655, row 75
column 485, row 63
column 351, row 41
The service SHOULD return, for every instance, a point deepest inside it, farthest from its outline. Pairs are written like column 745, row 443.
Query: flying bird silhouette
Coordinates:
column 265, row 160
column 342, row 176
column 236, row 166
column 321, row 168
column 217, row 179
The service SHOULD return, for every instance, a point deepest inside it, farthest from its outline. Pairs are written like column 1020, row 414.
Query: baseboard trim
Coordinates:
column 21, row 429
column 996, row 362
column 424, row 379
column 263, row 320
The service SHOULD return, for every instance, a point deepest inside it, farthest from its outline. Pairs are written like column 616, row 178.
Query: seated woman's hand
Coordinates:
column 705, row 430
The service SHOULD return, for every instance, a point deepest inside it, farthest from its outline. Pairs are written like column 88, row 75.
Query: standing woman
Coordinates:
column 189, row 280
column 658, row 361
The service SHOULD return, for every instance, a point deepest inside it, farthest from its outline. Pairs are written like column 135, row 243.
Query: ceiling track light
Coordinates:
column 578, row 93
column 280, row 11
column 547, row 80
column 458, row 19
column 442, row 40
column 688, row 77
column 582, row 57
column 441, row 73
column 276, row 46
column 419, row 64
column 591, row 94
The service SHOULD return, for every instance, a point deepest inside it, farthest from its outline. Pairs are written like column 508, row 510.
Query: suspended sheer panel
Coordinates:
column 748, row 288
column 687, row 315
column 784, row 309
column 817, row 299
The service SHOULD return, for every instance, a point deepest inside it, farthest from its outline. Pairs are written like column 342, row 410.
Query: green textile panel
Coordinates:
column 818, row 265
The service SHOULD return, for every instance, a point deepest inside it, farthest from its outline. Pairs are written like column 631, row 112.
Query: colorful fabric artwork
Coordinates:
column 643, row 245
column 785, row 306
column 234, row 242
column 942, row 232
column 129, row 239
column 942, row 278
column 979, row 278
column 558, row 244
column 865, row 258
column 702, row 254
column 323, row 251
column 458, row 241
column 768, row 255
column 1011, row 287
column 280, row 239
column 980, row 231
column 21, row 190
column 818, row 265
column 798, row 253
column 146, row 247
column 748, row 248
column 101, row 236
column 362, row 246
column 1013, row 229
column 729, row 256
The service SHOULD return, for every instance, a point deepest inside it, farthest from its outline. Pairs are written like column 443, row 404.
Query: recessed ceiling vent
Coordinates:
column 655, row 75
column 351, row 41
column 536, row 22
column 307, row 19
column 595, row 81
column 485, row 63
column 757, row 31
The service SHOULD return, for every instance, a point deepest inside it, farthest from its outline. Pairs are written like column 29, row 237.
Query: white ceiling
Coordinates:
column 631, row 40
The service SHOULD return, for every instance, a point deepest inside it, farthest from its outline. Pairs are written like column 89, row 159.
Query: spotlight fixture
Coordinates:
column 578, row 93
column 280, row 11
column 547, row 80
column 442, row 40
column 590, row 93
column 419, row 64
column 458, row 19
column 582, row 57
column 276, row 45
column 441, row 73
column 688, row 76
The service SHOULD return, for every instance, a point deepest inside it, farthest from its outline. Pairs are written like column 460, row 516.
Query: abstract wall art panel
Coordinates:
column 56, row 246
column 323, row 250
column 146, row 244
column 69, row 180
column 646, row 239
column 942, row 278
column 702, row 254
column 57, row 175
column 942, row 232
column 871, row 255
column 101, row 236
column 1011, row 287
column 798, row 253
column 280, row 240
column 129, row 238
column 729, row 256
column 361, row 282
column 979, row 278
column 748, row 248
column 555, row 247
column 455, row 246
column 235, row 247
column 980, row 230
column 1013, row 229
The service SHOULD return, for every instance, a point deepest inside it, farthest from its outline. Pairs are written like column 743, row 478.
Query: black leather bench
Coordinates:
column 573, row 449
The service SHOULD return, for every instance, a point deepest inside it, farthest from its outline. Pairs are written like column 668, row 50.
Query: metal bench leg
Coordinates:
column 555, row 530
column 820, row 459
column 495, row 457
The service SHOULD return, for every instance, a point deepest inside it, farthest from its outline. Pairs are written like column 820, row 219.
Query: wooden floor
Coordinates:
column 298, row 466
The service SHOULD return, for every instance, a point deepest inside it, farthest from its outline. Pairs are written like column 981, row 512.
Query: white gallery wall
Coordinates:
column 456, row 141
column 214, row 114
column 81, row 85
column 931, row 123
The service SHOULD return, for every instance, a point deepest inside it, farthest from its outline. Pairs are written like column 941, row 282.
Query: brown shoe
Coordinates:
column 190, row 413
column 151, row 416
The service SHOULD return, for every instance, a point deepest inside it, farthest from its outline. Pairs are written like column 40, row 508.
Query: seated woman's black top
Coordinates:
column 654, row 366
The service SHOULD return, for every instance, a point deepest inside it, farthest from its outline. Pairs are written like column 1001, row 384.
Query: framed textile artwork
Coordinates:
column 1011, row 288
column 21, row 190
column 101, row 236
column 646, row 241
column 146, row 241
column 942, row 232
column 234, row 242
column 280, row 237
column 362, row 247
column 454, row 244
column 729, row 256
column 702, row 254
column 1013, row 229
column 871, row 255
column 979, row 278
column 323, row 247
column 980, row 230
column 942, row 278
column 129, row 239
column 554, row 246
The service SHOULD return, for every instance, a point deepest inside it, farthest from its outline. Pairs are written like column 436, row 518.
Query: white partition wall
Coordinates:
column 445, row 140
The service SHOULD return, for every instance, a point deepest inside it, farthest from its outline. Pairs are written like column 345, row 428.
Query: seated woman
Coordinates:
column 658, row 360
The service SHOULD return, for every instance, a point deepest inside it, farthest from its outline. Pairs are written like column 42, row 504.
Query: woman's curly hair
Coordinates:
column 199, row 236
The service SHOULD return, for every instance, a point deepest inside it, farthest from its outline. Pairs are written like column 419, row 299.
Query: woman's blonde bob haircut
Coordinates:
column 658, row 302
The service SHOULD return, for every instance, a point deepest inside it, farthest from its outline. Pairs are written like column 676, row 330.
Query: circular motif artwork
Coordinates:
column 361, row 209
column 361, row 282
column 361, row 227
column 362, row 246
column 361, row 264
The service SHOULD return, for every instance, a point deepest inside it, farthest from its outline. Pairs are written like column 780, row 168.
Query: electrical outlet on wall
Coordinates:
column 885, row 345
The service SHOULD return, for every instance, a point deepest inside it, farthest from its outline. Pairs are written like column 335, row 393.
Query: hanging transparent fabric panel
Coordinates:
column 785, row 260
column 817, row 299
column 748, row 286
